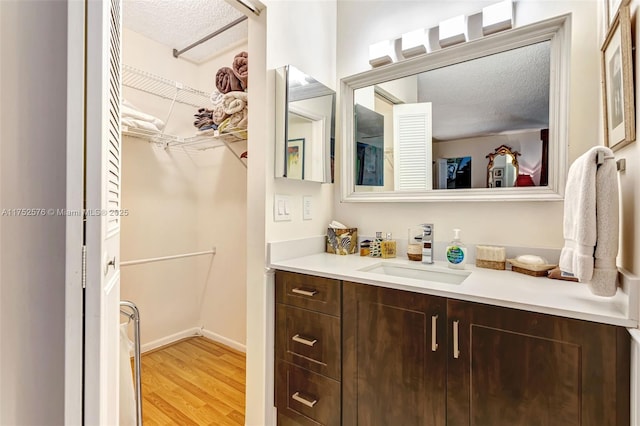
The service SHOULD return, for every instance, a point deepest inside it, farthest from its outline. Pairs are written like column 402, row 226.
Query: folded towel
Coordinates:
column 216, row 97
column 234, row 102
column 218, row 113
column 129, row 110
column 238, row 120
column 139, row 124
column 591, row 222
column 226, row 80
column 241, row 68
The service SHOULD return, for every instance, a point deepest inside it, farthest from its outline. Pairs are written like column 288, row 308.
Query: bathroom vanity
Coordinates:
column 358, row 345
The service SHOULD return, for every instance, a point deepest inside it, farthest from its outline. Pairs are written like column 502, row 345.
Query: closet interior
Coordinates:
column 183, row 234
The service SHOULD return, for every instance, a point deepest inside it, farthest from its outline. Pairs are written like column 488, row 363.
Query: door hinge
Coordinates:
column 84, row 266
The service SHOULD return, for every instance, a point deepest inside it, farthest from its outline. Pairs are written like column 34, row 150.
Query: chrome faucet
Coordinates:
column 427, row 243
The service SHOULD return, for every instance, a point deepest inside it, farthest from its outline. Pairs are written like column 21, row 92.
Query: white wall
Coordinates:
column 300, row 33
column 629, row 256
column 33, row 75
column 363, row 23
column 180, row 203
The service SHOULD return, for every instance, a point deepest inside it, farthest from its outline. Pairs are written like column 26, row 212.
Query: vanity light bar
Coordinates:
column 497, row 17
column 382, row 53
column 492, row 19
column 452, row 31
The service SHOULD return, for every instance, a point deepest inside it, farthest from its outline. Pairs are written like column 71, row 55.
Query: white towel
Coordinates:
column 591, row 222
column 130, row 111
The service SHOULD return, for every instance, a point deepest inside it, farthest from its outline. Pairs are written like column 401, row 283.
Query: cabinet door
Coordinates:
column 510, row 367
column 393, row 364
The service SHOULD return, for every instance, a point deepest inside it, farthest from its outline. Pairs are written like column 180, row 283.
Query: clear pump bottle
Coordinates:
column 456, row 253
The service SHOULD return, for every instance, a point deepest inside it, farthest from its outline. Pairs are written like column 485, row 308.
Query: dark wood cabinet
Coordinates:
column 517, row 368
column 308, row 343
column 392, row 357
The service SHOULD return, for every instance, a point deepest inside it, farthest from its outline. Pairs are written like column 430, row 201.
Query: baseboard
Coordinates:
column 195, row 331
column 191, row 332
column 224, row 340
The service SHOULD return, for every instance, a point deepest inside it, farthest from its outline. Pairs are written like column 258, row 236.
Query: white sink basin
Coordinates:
column 418, row 272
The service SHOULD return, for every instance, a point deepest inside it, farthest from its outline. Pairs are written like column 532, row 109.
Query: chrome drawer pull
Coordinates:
column 298, row 338
column 297, row 397
column 456, row 349
column 434, row 338
column 304, row 292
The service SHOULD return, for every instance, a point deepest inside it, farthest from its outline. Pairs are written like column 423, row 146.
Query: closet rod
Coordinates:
column 177, row 52
column 158, row 259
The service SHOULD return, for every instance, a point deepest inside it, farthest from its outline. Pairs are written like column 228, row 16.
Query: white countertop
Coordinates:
column 499, row 288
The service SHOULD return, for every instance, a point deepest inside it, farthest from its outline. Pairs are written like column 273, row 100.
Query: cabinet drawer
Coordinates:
column 308, row 339
column 309, row 292
column 306, row 397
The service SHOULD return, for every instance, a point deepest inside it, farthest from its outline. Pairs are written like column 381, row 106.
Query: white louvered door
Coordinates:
column 412, row 147
column 102, row 199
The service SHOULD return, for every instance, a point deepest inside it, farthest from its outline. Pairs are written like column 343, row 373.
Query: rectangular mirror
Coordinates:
column 305, row 123
column 482, row 120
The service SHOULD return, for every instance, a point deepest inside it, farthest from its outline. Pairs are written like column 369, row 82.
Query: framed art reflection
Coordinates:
column 295, row 158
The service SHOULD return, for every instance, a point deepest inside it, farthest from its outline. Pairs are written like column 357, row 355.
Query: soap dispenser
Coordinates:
column 456, row 253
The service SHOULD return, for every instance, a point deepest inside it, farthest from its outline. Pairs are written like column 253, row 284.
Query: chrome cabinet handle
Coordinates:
column 456, row 348
column 300, row 339
column 297, row 397
column 305, row 292
column 434, row 337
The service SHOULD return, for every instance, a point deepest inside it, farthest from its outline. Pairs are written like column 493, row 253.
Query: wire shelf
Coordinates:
column 163, row 87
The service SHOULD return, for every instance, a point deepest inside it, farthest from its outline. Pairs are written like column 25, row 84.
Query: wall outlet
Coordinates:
column 281, row 208
column 307, row 207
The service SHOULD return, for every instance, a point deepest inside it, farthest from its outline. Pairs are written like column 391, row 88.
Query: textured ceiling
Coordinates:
column 500, row 93
column 178, row 23
column 508, row 91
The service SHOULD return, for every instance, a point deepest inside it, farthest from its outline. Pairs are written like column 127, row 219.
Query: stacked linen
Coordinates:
column 134, row 118
column 234, row 104
column 236, row 77
column 204, row 120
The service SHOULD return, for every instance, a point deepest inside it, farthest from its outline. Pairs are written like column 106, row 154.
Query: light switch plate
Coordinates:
column 307, row 207
column 281, row 208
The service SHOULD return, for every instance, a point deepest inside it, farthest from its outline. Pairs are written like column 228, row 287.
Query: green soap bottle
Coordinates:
column 456, row 253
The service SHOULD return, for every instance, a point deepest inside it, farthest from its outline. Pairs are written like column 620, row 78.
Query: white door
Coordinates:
column 102, row 205
column 412, row 147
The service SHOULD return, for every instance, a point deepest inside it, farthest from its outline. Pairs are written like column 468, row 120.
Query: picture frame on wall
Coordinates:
column 295, row 158
column 612, row 7
column 617, row 82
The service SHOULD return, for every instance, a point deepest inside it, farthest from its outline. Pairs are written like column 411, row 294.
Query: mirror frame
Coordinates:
column 557, row 30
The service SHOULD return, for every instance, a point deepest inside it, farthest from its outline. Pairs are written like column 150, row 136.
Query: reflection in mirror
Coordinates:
column 422, row 128
column 440, row 123
column 305, row 120
column 503, row 170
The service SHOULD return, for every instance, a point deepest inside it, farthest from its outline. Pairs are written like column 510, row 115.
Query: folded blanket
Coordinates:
column 139, row 124
column 226, row 80
column 236, row 123
column 218, row 113
column 241, row 68
column 234, row 102
column 238, row 120
column 130, row 111
column 591, row 222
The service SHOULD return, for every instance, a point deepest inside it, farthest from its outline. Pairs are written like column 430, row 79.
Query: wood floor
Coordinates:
column 193, row 382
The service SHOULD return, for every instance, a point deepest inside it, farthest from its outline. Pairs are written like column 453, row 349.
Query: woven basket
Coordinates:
column 491, row 264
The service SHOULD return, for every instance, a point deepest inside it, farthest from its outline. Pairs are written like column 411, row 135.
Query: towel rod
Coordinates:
column 135, row 315
column 175, row 256
column 232, row 24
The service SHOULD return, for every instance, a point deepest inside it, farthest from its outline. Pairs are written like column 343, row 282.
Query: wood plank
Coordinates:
column 193, row 382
